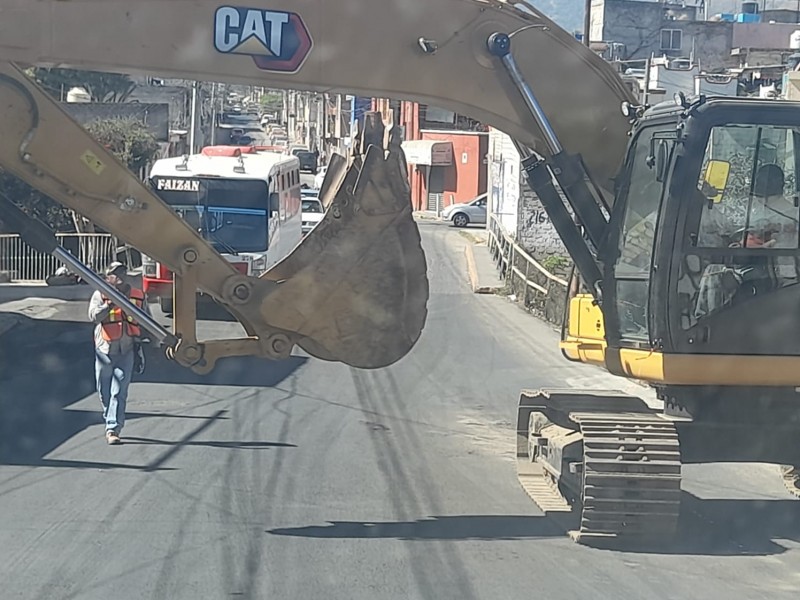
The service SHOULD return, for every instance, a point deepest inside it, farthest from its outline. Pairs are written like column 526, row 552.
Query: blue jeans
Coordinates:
column 113, row 375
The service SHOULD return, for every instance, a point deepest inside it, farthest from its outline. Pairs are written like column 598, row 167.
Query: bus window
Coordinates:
column 228, row 213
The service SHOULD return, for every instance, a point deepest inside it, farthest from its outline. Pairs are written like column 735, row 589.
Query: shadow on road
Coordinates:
column 210, row 444
column 209, row 310
column 47, row 365
column 11, row 293
column 240, row 371
column 461, row 527
column 707, row 527
column 725, row 527
column 735, row 527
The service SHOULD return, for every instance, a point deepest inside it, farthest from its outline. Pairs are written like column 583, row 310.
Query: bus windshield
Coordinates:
column 230, row 214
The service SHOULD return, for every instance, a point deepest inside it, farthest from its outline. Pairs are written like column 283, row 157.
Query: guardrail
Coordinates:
column 533, row 284
column 27, row 265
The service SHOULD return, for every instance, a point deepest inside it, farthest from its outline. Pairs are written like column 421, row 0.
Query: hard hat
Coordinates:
column 115, row 267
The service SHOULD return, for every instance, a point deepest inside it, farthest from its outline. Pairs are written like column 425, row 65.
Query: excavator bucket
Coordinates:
column 356, row 288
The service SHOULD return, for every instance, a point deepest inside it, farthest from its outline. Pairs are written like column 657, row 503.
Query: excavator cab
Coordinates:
column 695, row 293
column 700, row 265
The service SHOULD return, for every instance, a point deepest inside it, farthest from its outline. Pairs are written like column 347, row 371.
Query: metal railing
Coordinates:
column 27, row 265
column 533, row 284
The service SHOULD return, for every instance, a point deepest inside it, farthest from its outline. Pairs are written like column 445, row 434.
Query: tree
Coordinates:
column 272, row 101
column 128, row 139
column 102, row 87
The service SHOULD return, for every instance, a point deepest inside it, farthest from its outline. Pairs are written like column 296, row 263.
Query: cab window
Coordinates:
column 745, row 238
column 749, row 183
column 642, row 199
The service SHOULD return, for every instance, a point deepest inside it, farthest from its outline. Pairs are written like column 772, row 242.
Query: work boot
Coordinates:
column 112, row 438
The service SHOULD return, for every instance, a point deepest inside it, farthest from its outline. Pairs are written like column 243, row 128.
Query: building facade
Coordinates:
column 634, row 30
column 446, row 153
column 513, row 203
column 638, row 29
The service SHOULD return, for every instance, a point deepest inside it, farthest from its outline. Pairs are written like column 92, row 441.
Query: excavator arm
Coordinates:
column 355, row 290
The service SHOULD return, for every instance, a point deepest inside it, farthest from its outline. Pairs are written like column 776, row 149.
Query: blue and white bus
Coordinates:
column 243, row 201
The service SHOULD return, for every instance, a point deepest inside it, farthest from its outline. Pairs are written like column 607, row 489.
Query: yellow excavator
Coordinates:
column 681, row 220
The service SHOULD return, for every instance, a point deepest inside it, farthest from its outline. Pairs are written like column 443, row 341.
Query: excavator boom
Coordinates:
column 429, row 51
column 355, row 291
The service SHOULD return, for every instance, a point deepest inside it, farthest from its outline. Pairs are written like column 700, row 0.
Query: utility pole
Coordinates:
column 291, row 115
column 647, row 66
column 323, row 117
column 307, row 119
column 337, row 132
column 587, row 21
column 214, row 112
column 193, row 119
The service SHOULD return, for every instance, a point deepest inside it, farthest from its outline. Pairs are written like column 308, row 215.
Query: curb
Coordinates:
column 472, row 271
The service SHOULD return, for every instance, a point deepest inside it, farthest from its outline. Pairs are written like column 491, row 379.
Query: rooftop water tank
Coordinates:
column 794, row 40
column 78, row 95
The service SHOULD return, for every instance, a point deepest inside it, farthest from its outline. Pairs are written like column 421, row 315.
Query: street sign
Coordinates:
column 277, row 41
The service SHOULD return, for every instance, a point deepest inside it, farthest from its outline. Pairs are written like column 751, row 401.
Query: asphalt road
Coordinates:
column 310, row 480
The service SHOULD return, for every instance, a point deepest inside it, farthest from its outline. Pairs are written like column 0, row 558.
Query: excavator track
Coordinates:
column 615, row 474
column 632, row 475
column 541, row 488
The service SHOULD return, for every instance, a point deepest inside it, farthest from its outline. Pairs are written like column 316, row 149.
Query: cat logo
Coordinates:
column 278, row 41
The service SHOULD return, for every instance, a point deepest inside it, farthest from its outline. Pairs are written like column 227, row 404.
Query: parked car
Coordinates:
column 312, row 211
column 462, row 214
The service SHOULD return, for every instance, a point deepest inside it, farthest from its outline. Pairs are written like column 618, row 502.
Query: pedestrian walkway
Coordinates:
column 483, row 275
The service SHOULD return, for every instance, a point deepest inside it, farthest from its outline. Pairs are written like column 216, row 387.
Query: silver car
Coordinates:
column 463, row 214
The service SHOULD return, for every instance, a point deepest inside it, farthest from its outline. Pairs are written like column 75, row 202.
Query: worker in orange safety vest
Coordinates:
column 116, row 346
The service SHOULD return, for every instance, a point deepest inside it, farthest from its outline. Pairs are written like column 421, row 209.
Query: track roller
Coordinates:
column 603, row 456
